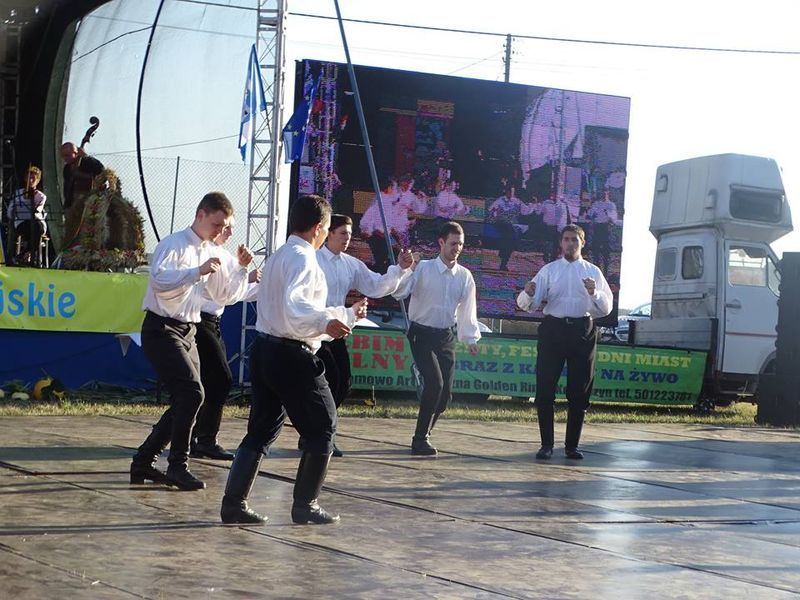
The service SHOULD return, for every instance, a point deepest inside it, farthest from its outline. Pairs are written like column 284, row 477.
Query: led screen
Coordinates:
column 511, row 163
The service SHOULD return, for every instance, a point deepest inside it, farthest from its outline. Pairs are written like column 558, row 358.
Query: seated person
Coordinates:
column 28, row 217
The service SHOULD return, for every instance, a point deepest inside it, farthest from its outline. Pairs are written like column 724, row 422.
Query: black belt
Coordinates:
column 570, row 320
column 285, row 341
column 168, row 320
column 438, row 330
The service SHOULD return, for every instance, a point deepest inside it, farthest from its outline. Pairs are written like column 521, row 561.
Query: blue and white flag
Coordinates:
column 294, row 134
column 249, row 101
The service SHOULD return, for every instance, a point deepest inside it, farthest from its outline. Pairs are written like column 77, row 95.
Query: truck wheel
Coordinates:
column 704, row 406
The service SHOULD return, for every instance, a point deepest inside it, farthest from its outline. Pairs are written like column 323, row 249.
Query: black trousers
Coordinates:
column 170, row 347
column 434, row 352
column 601, row 239
column 287, row 378
column 380, row 253
column 31, row 233
column 215, row 374
column 337, row 369
column 570, row 341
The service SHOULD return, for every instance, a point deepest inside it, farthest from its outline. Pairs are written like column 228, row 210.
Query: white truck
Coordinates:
column 715, row 285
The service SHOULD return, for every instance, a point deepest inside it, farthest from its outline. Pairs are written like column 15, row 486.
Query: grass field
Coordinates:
column 495, row 409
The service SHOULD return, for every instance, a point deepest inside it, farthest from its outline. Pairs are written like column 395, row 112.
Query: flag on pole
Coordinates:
column 249, row 101
column 294, row 134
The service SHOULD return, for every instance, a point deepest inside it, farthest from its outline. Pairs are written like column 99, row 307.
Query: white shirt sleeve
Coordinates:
column 602, row 300
column 308, row 321
column 167, row 274
column 467, row 314
column 406, row 285
column 375, row 285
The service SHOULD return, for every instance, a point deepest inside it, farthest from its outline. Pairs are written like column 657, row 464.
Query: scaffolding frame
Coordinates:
column 265, row 145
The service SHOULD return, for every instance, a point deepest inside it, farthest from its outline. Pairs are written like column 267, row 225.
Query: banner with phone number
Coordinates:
column 381, row 360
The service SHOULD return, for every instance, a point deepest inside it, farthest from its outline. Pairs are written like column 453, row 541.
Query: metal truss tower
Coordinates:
column 262, row 199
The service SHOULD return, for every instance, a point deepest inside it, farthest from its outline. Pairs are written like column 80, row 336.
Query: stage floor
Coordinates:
column 654, row 511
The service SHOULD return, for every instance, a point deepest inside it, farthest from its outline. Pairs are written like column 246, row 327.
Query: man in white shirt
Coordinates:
column 555, row 216
column 184, row 273
column 603, row 214
column 342, row 274
column 215, row 374
column 442, row 297
column 286, row 374
column 27, row 215
column 574, row 293
column 371, row 225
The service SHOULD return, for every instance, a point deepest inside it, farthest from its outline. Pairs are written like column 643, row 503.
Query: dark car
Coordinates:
column 623, row 322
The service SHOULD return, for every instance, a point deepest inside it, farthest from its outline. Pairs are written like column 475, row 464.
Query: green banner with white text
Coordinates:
column 53, row 300
column 381, row 359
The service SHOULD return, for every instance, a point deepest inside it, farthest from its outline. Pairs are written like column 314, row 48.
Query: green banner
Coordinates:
column 53, row 300
column 381, row 359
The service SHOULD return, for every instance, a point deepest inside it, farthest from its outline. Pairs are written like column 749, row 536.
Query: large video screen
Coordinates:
column 512, row 163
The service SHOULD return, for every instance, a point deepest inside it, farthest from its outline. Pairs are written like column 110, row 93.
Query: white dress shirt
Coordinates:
column 603, row 211
column 448, row 205
column 560, row 285
column 554, row 213
column 230, row 265
column 175, row 288
column 442, row 297
column 344, row 273
column 20, row 207
column 292, row 295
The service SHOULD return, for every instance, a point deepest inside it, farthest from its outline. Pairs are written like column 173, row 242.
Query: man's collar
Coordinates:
column 195, row 239
column 326, row 252
column 442, row 266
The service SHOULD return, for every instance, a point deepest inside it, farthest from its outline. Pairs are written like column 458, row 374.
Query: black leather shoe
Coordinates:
column 140, row 473
column 312, row 513
column 239, row 513
column 184, row 480
column 336, row 452
column 573, row 453
column 213, row 451
column 423, row 448
column 545, row 453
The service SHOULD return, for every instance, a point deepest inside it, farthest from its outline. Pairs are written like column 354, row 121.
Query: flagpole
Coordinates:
column 368, row 147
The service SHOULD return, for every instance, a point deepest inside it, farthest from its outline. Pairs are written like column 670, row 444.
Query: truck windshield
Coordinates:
column 754, row 266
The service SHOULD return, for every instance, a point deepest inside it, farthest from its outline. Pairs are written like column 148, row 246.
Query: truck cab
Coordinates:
column 716, row 279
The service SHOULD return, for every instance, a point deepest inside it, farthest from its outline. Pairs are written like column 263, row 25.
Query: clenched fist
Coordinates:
column 212, row 265
column 530, row 288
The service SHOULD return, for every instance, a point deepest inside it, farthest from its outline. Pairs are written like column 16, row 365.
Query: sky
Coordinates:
column 684, row 103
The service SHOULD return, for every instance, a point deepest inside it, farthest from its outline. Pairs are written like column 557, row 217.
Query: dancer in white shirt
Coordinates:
column 342, row 274
column 442, row 301
column 286, row 374
column 574, row 293
column 184, row 273
column 215, row 374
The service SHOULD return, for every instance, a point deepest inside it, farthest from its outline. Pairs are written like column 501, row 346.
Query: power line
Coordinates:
column 224, row 137
column 556, row 39
column 96, row 48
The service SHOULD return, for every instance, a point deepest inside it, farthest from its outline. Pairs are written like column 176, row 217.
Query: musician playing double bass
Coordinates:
column 80, row 169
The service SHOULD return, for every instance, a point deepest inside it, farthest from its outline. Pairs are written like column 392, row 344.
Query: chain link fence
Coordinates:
column 175, row 187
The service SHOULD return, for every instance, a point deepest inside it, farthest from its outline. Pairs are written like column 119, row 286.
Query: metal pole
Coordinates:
column 368, row 147
column 508, row 58
column 175, row 195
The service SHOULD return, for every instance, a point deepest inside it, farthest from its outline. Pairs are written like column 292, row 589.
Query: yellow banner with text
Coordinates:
column 53, row 300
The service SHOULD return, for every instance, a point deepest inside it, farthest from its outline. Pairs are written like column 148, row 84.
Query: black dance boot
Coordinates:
column 573, row 437
column 143, row 464
column 420, row 444
column 244, row 471
column 310, row 475
column 546, row 431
